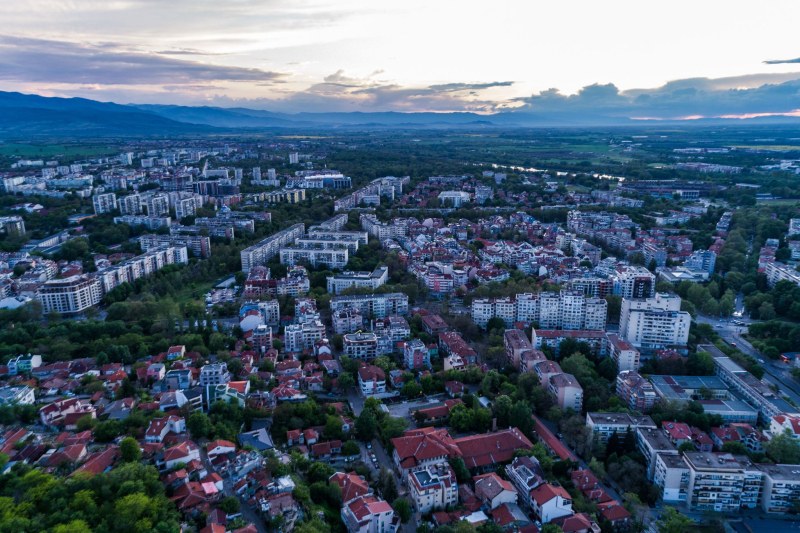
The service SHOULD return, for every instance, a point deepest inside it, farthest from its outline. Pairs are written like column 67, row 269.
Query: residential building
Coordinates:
column 433, row 487
column 604, row 425
column 104, row 203
column 262, row 252
column 369, row 514
column 554, row 337
column 525, row 473
column 494, row 491
column 550, row 502
column 566, row 392
column 650, row 442
column 347, row 320
column 358, row 280
column 416, row 355
column 654, row 323
column 23, row 364
column 214, row 374
column 637, row 393
column 303, row 336
column 361, row 345
column 371, row 380
column 568, row 309
column 71, row 295
column 631, row 281
column 624, row 355
column 373, row 305
column 515, row 343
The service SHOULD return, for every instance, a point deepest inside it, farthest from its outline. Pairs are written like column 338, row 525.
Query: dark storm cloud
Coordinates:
column 50, row 61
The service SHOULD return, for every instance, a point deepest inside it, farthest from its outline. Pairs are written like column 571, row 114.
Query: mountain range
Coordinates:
column 36, row 116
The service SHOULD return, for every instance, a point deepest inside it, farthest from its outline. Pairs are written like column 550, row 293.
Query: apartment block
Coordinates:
column 637, row 393
column 358, row 280
column 262, row 252
column 631, row 281
column 570, row 310
column 104, row 203
column 433, row 487
column 70, row 295
column 604, row 425
column 654, row 323
column 373, row 305
column 624, row 355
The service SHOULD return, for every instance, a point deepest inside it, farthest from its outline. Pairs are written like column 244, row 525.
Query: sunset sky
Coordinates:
column 414, row 55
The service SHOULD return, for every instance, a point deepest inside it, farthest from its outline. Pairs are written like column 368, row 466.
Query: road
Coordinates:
column 776, row 373
column 248, row 513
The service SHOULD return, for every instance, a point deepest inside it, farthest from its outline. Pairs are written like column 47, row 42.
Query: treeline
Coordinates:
column 129, row 498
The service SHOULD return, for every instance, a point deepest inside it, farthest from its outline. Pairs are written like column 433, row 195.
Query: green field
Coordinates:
column 54, row 150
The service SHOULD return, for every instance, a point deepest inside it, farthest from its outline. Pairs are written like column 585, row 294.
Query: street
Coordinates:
column 777, row 373
column 248, row 513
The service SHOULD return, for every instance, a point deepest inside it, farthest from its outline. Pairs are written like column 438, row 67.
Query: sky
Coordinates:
column 645, row 59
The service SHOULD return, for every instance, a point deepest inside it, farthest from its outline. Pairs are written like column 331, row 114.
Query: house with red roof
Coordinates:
column 184, row 452
column 422, row 447
column 371, row 380
column 99, row 462
column 493, row 491
column 68, row 454
column 351, row 485
column 614, row 513
column 782, row 423
column 159, row 428
column 577, row 523
column 219, row 447
column 437, row 414
column 324, row 451
column 176, row 352
column 369, row 514
column 310, row 436
column 511, row 517
column 66, row 413
column 294, row 437
column 487, row 449
column 550, row 502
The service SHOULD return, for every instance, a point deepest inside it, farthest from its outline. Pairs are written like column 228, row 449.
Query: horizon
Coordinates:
column 291, row 57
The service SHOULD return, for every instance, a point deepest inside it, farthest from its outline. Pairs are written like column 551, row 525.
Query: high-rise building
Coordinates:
column 631, row 281
column 70, row 295
column 654, row 323
column 104, row 203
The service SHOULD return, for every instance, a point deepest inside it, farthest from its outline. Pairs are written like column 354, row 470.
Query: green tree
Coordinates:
column 366, row 425
column 672, row 521
column 129, row 450
column 460, row 469
column 199, row 425
column 784, row 449
column 230, row 505
column 403, row 509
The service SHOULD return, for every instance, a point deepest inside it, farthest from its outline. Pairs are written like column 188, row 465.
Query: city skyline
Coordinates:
column 679, row 61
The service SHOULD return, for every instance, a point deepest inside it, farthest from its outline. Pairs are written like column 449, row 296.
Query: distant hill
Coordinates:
column 31, row 115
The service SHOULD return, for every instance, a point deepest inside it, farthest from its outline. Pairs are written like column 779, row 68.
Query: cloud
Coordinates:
column 456, row 87
column 743, row 95
column 51, row 61
column 781, row 61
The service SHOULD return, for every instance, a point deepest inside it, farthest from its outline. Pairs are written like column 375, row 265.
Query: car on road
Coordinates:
column 761, row 361
column 369, row 445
